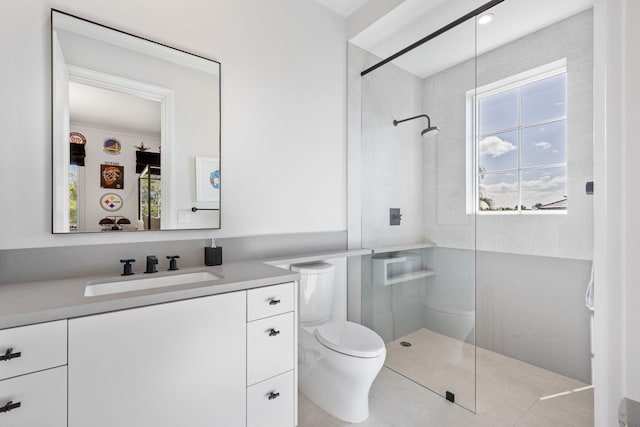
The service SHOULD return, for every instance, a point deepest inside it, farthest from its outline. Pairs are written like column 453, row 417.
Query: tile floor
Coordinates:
column 510, row 393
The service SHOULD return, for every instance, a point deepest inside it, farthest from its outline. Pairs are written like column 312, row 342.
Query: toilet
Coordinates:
column 338, row 360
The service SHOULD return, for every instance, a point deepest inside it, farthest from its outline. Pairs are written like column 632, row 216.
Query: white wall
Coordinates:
column 632, row 199
column 283, row 111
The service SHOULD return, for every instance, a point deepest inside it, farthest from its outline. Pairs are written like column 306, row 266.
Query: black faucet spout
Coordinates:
column 152, row 264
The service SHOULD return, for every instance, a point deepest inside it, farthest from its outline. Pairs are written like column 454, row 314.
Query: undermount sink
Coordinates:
column 148, row 282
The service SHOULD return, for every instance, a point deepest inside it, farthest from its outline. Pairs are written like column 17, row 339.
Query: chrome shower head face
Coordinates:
column 430, row 131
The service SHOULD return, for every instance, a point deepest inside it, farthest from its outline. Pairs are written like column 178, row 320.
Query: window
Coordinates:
column 520, row 145
column 73, row 197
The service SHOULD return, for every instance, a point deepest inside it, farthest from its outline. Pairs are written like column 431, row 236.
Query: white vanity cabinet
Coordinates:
column 224, row 360
column 174, row 364
column 33, row 375
column 271, row 356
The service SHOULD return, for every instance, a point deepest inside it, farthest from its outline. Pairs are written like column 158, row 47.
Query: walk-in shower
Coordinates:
column 429, row 131
column 483, row 266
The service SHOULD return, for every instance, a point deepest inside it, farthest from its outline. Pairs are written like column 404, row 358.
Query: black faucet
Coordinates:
column 173, row 264
column 152, row 264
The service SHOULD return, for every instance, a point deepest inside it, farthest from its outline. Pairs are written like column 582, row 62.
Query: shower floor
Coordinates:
column 510, row 393
column 436, row 361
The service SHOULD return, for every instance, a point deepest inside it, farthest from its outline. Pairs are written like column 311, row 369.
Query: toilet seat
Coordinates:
column 351, row 339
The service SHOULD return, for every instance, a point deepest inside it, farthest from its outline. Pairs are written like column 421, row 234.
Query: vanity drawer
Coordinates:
column 38, row 399
column 270, row 347
column 32, row 348
column 270, row 403
column 270, row 301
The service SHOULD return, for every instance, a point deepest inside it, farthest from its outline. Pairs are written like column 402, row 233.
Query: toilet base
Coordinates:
column 337, row 383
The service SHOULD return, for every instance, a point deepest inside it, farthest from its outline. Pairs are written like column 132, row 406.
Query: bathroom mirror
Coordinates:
column 135, row 132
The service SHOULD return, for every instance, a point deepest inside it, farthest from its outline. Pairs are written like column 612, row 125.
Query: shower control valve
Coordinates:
column 395, row 216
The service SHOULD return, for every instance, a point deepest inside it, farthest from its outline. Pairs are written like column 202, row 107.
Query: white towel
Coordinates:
column 588, row 298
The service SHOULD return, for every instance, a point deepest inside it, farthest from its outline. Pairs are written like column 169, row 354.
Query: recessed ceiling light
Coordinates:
column 485, row 18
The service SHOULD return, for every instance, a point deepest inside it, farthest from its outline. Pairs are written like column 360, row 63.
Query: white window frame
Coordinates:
column 473, row 96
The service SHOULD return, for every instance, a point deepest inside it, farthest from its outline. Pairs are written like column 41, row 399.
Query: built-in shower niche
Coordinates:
column 394, row 279
column 393, row 268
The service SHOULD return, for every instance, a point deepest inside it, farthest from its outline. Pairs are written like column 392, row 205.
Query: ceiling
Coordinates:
column 414, row 19
column 111, row 109
column 342, row 7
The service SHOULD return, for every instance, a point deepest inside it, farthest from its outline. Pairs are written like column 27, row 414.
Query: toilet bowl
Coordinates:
column 338, row 360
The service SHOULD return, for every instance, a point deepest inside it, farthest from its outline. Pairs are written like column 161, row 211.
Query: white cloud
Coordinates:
column 544, row 183
column 495, row 147
column 543, row 144
column 545, row 188
column 501, row 187
column 503, row 194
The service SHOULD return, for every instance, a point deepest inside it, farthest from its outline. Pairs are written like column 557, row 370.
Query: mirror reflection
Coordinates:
column 136, row 132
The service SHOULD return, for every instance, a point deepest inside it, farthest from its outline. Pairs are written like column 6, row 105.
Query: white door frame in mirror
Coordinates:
column 60, row 95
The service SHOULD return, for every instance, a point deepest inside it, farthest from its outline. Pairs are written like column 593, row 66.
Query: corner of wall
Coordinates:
column 368, row 14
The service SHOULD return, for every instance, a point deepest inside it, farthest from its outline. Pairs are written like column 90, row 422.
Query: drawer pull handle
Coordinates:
column 9, row 354
column 273, row 332
column 274, row 301
column 11, row 406
column 273, row 395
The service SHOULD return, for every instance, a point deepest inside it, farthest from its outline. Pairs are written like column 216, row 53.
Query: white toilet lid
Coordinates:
column 350, row 338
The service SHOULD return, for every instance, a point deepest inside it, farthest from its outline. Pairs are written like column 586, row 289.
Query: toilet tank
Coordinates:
column 316, row 290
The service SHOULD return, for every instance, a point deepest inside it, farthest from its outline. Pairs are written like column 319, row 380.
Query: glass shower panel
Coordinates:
column 418, row 286
column 534, row 154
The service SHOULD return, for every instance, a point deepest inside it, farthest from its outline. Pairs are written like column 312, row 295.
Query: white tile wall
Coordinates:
column 391, row 157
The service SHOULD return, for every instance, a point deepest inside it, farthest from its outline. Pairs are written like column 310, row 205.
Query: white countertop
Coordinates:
column 35, row 302
column 316, row 256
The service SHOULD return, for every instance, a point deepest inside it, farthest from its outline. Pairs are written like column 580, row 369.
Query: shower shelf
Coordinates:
column 398, row 269
column 398, row 248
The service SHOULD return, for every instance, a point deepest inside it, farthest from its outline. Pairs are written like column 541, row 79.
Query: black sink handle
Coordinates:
column 10, row 406
column 9, row 354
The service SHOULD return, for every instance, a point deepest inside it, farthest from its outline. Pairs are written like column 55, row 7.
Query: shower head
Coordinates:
column 429, row 131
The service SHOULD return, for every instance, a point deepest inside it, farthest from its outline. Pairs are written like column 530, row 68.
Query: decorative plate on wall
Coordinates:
column 111, row 202
column 112, row 146
column 77, row 138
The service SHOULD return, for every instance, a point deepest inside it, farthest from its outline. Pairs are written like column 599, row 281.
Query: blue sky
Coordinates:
column 540, row 144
